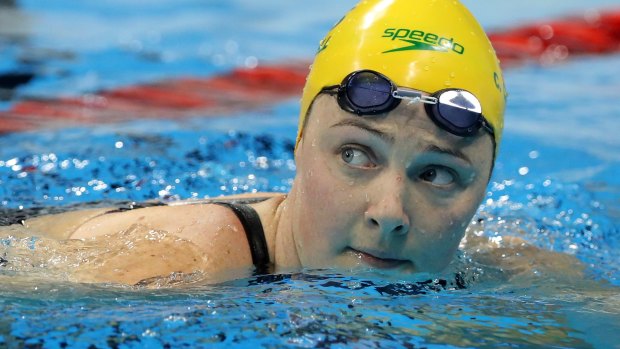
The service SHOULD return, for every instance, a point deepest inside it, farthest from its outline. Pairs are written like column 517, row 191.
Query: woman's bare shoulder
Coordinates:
column 87, row 223
column 155, row 241
column 60, row 226
column 181, row 220
column 248, row 198
column 515, row 256
column 203, row 238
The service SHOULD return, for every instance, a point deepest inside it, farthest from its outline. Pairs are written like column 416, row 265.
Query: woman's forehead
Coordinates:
column 408, row 125
column 407, row 121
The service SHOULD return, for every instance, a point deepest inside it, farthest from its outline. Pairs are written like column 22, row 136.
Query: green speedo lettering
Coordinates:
column 422, row 41
column 500, row 85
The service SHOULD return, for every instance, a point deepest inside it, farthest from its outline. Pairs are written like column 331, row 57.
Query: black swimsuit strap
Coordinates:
column 254, row 232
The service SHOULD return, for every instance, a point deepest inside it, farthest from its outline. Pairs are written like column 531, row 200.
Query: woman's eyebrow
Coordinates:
column 364, row 126
column 433, row 148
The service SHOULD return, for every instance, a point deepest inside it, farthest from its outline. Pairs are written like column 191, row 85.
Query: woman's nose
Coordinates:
column 388, row 215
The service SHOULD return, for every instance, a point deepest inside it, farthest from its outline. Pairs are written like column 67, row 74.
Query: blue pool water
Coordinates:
column 556, row 185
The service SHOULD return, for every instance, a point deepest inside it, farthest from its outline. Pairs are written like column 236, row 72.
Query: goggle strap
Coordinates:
column 487, row 126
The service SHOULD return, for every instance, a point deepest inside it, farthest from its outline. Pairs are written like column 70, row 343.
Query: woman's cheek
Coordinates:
column 451, row 229
column 318, row 193
column 438, row 244
column 319, row 219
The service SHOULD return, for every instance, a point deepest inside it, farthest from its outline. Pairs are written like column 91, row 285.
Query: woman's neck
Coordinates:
column 277, row 219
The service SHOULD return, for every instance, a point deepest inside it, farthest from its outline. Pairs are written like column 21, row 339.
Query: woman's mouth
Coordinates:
column 375, row 260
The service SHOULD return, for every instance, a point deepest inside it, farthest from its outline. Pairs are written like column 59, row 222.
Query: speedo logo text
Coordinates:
column 419, row 40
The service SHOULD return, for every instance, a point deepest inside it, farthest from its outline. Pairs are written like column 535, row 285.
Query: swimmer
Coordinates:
column 401, row 120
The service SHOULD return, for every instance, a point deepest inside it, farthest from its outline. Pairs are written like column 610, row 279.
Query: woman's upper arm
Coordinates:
column 62, row 225
column 194, row 238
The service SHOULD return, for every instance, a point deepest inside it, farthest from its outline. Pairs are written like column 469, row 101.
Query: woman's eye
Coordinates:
column 356, row 157
column 438, row 176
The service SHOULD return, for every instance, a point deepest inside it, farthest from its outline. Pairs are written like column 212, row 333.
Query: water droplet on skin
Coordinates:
column 367, row 197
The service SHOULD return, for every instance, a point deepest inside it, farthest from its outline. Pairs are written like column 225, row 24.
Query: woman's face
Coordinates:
column 389, row 191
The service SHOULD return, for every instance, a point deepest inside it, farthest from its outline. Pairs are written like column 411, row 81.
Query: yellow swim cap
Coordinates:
column 427, row 45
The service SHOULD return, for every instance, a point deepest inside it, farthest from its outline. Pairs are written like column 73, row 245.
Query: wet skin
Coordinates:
column 391, row 191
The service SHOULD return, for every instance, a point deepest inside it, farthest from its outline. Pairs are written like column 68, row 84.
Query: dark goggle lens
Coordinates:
column 458, row 111
column 366, row 90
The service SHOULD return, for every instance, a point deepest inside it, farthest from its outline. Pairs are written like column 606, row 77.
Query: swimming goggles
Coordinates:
column 367, row 92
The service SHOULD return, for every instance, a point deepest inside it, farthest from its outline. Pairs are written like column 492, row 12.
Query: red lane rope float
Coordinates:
column 244, row 89
column 553, row 41
column 240, row 89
